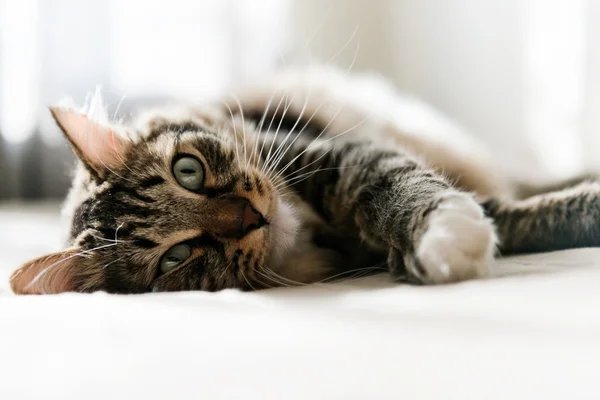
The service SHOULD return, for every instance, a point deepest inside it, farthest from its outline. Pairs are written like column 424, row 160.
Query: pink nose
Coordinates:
column 251, row 219
column 233, row 217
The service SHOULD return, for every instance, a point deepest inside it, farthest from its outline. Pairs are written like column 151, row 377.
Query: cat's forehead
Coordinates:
column 169, row 142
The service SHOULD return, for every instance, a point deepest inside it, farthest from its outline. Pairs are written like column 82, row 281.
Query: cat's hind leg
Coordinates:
column 565, row 219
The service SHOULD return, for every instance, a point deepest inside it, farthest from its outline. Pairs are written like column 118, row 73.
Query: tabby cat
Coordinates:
column 310, row 178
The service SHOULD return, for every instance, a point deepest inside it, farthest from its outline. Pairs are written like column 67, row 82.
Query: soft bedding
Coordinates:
column 531, row 331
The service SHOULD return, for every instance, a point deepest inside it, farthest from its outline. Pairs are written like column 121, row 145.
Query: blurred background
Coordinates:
column 522, row 75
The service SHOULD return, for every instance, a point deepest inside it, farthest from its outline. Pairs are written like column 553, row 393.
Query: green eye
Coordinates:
column 175, row 257
column 189, row 173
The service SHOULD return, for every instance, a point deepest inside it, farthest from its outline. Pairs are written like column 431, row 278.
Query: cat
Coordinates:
column 311, row 177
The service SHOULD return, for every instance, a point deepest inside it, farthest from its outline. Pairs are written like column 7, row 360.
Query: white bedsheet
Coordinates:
column 531, row 332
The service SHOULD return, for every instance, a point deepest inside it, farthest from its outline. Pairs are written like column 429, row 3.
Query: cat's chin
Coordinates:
column 284, row 227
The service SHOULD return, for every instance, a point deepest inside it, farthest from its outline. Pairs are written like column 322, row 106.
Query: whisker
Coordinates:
column 283, row 97
column 235, row 135
column 286, row 108
column 272, row 279
column 310, row 146
column 296, row 179
column 247, row 281
column 259, row 128
column 293, row 127
column 328, row 124
column 291, row 174
column 237, row 100
column 79, row 254
column 282, row 278
column 380, row 266
column 261, row 125
column 112, row 262
column 354, row 32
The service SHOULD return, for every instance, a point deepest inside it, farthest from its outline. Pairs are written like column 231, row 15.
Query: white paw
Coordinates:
column 458, row 244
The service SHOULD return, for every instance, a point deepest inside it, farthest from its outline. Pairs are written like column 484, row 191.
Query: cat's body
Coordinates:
column 311, row 177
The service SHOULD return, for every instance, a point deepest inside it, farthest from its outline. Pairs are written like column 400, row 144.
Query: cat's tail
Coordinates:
column 563, row 219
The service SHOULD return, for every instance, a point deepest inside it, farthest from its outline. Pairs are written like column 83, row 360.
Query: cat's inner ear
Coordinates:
column 50, row 274
column 100, row 147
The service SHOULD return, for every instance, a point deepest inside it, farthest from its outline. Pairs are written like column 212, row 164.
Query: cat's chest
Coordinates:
column 322, row 251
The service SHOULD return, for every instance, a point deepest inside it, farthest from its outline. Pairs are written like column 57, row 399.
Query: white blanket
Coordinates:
column 531, row 332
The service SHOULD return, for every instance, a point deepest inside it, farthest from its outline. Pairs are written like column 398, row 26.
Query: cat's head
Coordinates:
column 174, row 208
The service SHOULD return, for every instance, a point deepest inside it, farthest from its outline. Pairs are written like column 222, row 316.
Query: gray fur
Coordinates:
column 334, row 204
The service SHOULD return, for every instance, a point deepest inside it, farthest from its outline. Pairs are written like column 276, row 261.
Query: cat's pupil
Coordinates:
column 188, row 171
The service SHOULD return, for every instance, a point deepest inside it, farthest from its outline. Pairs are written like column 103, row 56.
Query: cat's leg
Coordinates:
column 553, row 221
column 524, row 190
column 450, row 241
column 434, row 233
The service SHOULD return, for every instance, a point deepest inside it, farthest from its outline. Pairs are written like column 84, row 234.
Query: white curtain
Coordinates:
column 523, row 75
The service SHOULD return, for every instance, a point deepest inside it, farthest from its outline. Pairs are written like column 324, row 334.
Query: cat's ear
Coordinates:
column 100, row 147
column 50, row 274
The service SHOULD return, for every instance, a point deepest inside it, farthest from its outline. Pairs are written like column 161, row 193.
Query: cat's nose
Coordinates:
column 233, row 218
column 251, row 219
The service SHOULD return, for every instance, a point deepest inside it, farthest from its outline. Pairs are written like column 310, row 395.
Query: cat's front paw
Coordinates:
column 456, row 244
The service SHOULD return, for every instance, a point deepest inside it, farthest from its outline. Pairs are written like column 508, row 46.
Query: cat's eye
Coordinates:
column 175, row 257
column 189, row 173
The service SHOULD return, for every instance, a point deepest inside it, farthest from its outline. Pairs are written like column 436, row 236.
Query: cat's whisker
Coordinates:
column 291, row 174
column 297, row 179
column 107, row 240
column 235, row 135
column 78, row 254
column 280, row 279
column 237, row 100
column 278, row 150
column 291, row 281
column 286, row 108
column 271, row 279
column 278, row 175
column 308, row 41
column 258, row 155
column 259, row 130
column 365, row 270
column 276, row 162
column 342, row 105
column 352, row 35
column 306, row 46
column 310, row 146
column 112, row 262
column 261, row 125
column 266, row 162
column 115, row 240
column 247, row 281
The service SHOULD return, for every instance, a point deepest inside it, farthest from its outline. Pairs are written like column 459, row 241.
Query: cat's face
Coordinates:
column 178, row 210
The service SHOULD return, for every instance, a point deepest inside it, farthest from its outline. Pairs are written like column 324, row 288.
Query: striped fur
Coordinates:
column 345, row 184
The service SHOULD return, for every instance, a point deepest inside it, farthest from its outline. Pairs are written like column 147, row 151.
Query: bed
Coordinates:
column 530, row 331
